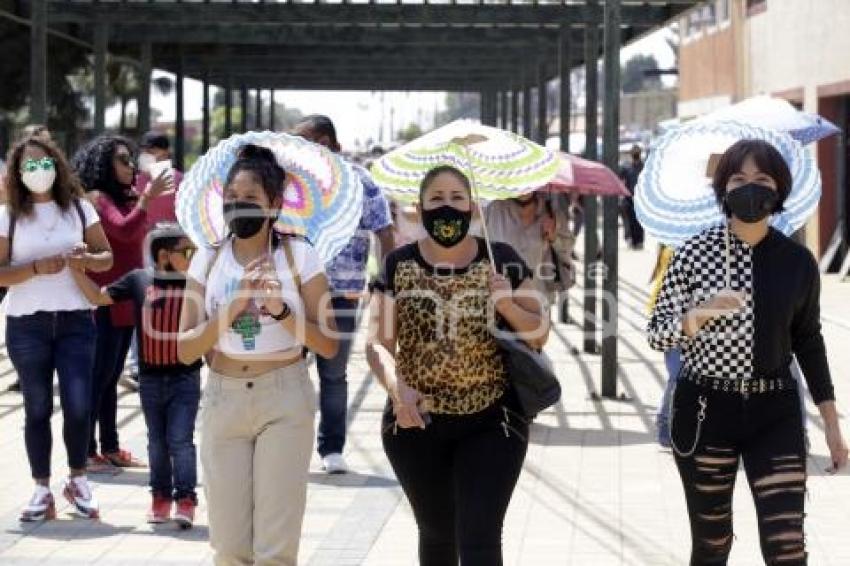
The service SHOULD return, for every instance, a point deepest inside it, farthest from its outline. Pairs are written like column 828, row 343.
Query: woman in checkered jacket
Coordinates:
column 740, row 301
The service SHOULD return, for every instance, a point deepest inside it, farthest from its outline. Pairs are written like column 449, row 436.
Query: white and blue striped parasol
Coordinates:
column 674, row 199
column 775, row 114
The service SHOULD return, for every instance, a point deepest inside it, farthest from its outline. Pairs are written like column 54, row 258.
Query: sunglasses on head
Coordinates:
column 33, row 165
column 185, row 252
column 124, row 159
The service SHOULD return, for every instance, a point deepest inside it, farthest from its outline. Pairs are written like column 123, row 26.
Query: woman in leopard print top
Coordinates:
column 452, row 429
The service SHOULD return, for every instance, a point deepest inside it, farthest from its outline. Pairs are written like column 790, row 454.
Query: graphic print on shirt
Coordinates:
column 247, row 325
column 161, row 324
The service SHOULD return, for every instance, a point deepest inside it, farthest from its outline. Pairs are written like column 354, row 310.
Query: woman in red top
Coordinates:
column 106, row 168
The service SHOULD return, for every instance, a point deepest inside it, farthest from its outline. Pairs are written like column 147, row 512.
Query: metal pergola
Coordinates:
column 506, row 50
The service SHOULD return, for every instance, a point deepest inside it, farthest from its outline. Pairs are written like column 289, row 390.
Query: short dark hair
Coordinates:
column 165, row 236
column 321, row 125
column 767, row 158
column 156, row 140
column 439, row 170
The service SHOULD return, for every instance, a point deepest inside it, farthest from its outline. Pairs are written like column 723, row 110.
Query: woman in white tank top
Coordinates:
column 251, row 307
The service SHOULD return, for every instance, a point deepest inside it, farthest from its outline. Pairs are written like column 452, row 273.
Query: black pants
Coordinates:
column 633, row 229
column 459, row 474
column 765, row 431
column 113, row 343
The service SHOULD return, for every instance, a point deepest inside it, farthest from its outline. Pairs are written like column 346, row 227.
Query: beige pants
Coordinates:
column 256, row 442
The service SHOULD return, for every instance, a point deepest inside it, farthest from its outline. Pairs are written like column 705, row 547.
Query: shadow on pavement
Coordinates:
column 352, row 479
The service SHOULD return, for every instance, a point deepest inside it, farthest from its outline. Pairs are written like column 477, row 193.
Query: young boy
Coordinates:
column 170, row 391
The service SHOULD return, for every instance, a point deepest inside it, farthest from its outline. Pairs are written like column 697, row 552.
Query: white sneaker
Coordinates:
column 41, row 507
column 334, row 464
column 78, row 492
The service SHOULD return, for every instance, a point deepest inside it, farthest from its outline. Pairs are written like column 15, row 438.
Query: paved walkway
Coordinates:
column 595, row 491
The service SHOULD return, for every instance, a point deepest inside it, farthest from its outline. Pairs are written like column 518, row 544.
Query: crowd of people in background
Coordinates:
column 101, row 281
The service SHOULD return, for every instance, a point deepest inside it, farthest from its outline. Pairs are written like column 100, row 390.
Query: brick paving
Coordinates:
column 595, row 490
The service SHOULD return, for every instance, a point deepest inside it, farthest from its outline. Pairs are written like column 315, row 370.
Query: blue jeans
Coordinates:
column 39, row 344
column 333, row 384
column 170, row 405
column 110, row 354
column 673, row 362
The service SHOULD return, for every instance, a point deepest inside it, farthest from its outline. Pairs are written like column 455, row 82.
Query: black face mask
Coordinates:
column 446, row 224
column 752, row 202
column 244, row 219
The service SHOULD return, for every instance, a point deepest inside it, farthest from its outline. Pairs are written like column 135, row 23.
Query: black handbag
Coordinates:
column 530, row 373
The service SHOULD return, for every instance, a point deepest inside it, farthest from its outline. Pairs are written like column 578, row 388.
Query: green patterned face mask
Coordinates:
column 446, row 224
column 33, row 165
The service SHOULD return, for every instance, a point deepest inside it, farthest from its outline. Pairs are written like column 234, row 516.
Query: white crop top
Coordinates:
column 48, row 231
column 253, row 332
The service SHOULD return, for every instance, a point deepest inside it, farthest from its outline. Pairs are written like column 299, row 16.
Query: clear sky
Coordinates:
column 358, row 115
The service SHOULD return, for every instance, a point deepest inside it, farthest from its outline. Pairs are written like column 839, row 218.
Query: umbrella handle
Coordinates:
column 728, row 257
column 477, row 198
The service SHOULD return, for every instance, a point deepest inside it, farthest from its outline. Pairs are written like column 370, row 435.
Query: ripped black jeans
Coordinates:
column 459, row 474
column 765, row 431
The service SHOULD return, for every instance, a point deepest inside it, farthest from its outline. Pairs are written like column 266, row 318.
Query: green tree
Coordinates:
column 409, row 133
column 635, row 78
column 459, row 105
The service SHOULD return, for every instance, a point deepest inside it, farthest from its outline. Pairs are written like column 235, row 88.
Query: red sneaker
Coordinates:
column 160, row 510
column 124, row 459
column 98, row 464
column 185, row 514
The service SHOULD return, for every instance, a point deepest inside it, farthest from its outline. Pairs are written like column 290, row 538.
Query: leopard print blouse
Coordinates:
column 445, row 349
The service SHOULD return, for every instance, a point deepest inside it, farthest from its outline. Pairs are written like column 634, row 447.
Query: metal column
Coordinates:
column 205, row 118
column 243, row 102
column 101, row 44
column 564, row 58
column 271, row 110
column 179, row 122
column 258, row 112
column 611, row 145
column 143, row 122
column 38, row 62
column 542, row 99
column 503, row 107
column 228, row 107
column 526, row 108
column 515, row 110
column 591, row 243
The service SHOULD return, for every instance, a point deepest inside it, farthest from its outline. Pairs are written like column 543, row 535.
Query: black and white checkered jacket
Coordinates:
column 781, row 317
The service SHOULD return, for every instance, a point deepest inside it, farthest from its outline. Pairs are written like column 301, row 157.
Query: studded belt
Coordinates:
column 741, row 386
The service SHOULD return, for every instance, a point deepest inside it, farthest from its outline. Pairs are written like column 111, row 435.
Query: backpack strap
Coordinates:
column 79, row 206
column 13, row 221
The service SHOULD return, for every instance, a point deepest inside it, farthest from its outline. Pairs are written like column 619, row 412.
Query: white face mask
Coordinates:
column 146, row 160
column 40, row 181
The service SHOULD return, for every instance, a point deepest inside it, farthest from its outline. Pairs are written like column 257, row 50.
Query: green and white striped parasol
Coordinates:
column 501, row 164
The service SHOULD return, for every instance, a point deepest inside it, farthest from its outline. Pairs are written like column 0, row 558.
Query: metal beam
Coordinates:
column 38, row 62
column 284, row 35
column 143, row 112
column 591, row 242
column 101, row 44
column 371, row 14
column 611, row 146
